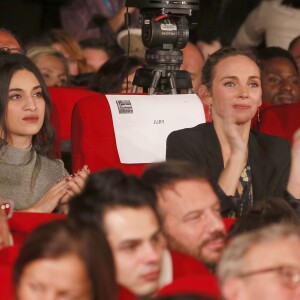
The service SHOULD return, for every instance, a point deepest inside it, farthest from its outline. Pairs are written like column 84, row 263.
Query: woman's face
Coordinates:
column 62, row 278
column 72, row 63
column 53, row 70
column 25, row 108
column 236, row 89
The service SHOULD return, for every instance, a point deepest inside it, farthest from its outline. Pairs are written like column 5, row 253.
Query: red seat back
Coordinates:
column 280, row 120
column 186, row 266
column 23, row 223
column 205, row 285
column 93, row 137
column 65, row 98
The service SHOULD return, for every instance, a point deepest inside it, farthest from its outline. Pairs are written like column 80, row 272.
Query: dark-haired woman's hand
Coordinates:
column 51, row 199
column 75, row 184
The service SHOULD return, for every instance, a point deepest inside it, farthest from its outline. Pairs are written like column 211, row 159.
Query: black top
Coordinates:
column 269, row 159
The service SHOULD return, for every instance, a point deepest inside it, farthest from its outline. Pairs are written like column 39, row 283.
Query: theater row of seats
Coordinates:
column 84, row 117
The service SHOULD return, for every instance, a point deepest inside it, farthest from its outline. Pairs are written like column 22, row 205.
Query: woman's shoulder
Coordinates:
column 196, row 130
column 272, row 142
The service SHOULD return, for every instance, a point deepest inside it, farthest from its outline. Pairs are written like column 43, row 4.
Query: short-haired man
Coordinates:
column 262, row 265
column 8, row 42
column 189, row 208
column 125, row 209
column 193, row 60
column 279, row 76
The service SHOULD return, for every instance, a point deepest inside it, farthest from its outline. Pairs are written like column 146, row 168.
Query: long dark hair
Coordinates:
column 10, row 63
column 62, row 237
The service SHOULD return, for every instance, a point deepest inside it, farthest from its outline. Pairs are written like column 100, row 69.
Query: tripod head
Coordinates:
column 165, row 30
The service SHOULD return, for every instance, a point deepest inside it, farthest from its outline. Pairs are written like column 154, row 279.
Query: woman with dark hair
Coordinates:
column 66, row 260
column 246, row 165
column 29, row 176
column 116, row 75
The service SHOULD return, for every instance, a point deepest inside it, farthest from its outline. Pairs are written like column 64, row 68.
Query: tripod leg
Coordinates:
column 172, row 83
column 156, row 77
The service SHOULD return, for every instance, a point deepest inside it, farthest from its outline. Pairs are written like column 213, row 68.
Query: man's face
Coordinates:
column 192, row 222
column 273, row 284
column 135, row 237
column 7, row 41
column 193, row 62
column 280, row 81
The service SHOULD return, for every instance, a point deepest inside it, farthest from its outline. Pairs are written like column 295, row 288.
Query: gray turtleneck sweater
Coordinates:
column 26, row 176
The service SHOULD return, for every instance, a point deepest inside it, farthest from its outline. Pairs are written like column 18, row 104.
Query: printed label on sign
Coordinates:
column 124, row 106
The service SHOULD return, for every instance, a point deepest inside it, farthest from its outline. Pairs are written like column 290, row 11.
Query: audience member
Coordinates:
column 52, row 65
column 125, row 209
column 232, row 15
column 246, row 165
column 193, row 61
column 294, row 49
column 96, row 19
column 116, row 75
column 263, row 264
column 63, row 42
column 262, row 24
column 270, row 210
column 95, row 52
column 65, row 260
column 189, row 209
column 8, row 42
column 279, row 76
column 28, row 175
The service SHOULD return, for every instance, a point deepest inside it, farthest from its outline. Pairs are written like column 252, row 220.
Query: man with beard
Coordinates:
column 189, row 208
column 279, row 76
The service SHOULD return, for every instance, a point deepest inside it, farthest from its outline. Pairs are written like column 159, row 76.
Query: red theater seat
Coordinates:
column 23, row 223
column 93, row 137
column 65, row 98
column 280, row 120
column 206, row 285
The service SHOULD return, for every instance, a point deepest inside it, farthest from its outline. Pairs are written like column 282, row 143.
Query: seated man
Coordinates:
column 125, row 209
column 189, row 208
column 280, row 76
column 262, row 265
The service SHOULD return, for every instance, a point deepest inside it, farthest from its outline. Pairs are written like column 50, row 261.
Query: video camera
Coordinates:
column 165, row 30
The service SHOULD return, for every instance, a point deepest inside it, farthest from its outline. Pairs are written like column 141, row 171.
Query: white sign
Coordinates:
column 142, row 123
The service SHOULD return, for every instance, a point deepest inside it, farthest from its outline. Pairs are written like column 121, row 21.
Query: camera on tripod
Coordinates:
column 165, row 30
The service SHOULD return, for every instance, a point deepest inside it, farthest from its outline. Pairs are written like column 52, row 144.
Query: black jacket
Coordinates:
column 269, row 158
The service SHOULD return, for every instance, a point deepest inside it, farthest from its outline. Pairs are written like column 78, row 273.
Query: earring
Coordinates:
column 258, row 116
column 210, row 110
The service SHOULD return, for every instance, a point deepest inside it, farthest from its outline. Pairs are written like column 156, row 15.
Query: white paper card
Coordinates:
column 142, row 123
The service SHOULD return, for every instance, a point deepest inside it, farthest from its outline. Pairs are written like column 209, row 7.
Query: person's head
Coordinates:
column 95, row 53
column 63, row 42
column 125, row 209
column 8, row 42
column 24, row 105
column 116, row 75
column 51, row 63
column 262, row 264
column 65, row 259
column 265, row 212
column 231, row 84
column 294, row 49
column 193, row 61
column 189, row 208
column 280, row 76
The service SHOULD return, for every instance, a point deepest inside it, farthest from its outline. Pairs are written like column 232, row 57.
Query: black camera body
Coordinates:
column 165, row 30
